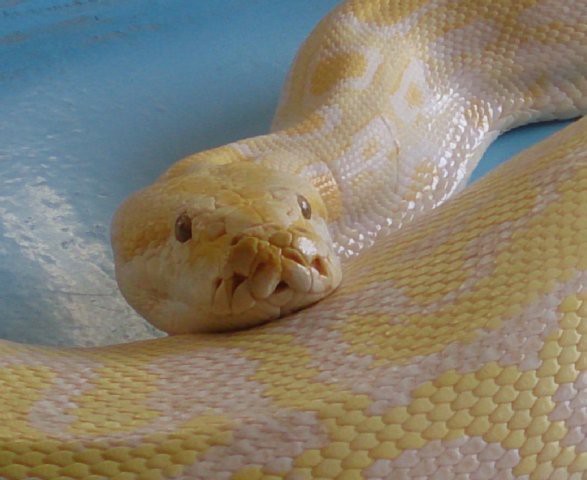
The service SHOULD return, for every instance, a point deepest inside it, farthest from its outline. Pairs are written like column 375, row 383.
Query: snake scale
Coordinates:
column 456, row 344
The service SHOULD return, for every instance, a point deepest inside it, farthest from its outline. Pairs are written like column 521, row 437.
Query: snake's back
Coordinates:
column 456, row 345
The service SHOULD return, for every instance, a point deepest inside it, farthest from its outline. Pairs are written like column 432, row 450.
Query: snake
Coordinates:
column 340, row 303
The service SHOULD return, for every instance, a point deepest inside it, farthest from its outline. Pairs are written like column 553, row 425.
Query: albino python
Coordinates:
column 456, row 344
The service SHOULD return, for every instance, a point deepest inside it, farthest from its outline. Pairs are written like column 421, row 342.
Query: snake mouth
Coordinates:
column 269, row 277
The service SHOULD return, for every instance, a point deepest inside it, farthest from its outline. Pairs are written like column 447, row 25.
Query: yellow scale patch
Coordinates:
column 457, row 15
column 373, row 147
column 332, row 70
column 499, row 404
column 414, row 96
column 115, row 403
column 429, row 277
column 383, row 13
column 21, row 386
column 312, row 124
column 295, row 106
column 219, row 156
column 154, row 457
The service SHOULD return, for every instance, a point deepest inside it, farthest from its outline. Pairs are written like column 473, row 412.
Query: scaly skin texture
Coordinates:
column 456, row 345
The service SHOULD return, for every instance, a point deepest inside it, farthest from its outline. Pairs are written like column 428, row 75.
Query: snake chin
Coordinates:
column 239, row 246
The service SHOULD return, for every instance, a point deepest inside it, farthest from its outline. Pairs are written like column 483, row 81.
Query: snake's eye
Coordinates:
column 183, row 228
column 305, row 207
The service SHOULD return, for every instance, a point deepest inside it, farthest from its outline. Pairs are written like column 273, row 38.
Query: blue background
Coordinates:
column 97, row 98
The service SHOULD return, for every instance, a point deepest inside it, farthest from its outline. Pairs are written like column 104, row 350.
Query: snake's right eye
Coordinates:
column 305, row 207
column 183, row 228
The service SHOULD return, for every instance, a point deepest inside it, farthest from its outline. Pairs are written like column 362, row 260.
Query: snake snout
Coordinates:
column 273, row 272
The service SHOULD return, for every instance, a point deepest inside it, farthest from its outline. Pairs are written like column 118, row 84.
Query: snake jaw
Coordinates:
column 268, row 277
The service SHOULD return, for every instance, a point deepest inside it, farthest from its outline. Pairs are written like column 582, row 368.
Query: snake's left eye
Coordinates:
column 183, row 228
column 305, row 207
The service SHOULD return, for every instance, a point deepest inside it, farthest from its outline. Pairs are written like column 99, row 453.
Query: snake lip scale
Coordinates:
column 290, row 269
column 445, row 334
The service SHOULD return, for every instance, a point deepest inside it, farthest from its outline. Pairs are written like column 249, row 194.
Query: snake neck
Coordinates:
column 388, row 112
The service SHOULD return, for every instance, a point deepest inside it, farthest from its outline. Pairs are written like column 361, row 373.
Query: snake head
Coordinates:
column 222, row 247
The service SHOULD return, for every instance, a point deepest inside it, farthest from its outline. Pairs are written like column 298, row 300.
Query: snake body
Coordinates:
column 456, row 345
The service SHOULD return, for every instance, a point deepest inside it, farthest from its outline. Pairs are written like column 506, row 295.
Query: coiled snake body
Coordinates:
column 456, row 345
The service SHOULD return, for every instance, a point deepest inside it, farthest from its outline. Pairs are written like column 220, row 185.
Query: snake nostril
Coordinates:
column 320, row 266
column 281, row 286
column 183, row 228
column 237, row 279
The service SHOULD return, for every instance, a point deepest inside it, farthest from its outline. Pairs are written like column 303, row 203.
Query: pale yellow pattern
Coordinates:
column 456, row 346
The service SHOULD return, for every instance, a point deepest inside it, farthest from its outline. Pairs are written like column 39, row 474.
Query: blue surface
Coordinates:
column 98, row 98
